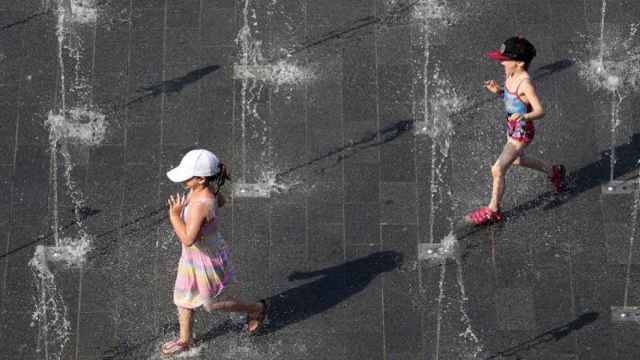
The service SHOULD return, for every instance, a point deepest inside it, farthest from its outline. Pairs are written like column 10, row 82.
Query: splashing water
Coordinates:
column 250, row 54
column 439, row 105
column 276, row 184
column 444, row 103
column 72, row 252
column 436, row 13
column 267, row 183
column 78, row 125
column 622, row 75
column 632, row 238
column 287, row 73
column 84, row 11
column 255, row 72
column 450, row 250
column 616, row 69
column 437, row 125
column 51, row 312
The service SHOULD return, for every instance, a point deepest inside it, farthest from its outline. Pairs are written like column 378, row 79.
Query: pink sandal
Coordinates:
column 175, row 347
column 557, row 177
column 484, row 215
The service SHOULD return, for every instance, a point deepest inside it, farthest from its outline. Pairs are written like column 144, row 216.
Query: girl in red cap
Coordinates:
column 204, row 270
column 522, row 108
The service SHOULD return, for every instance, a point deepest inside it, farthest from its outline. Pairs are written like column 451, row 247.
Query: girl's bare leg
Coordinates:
column 511, row 151
column 233, row 305
column 185, row 317
column 533, row 163
column 253, row 311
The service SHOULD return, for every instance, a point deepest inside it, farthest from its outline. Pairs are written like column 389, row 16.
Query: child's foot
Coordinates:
column 175, row 347
column 557, row 177
column 256, row 320
column 483, row 216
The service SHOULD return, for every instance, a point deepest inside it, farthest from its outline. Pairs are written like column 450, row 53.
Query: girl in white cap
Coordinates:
column 204, row 269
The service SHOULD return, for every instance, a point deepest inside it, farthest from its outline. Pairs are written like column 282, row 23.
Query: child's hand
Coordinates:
column 176, row 203
column 492, row 86
column 516, row 117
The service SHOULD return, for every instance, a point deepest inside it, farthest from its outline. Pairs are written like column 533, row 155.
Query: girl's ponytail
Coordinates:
column 218, row 181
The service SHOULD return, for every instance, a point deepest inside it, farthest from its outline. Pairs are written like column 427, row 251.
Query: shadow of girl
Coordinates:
column 334, row 285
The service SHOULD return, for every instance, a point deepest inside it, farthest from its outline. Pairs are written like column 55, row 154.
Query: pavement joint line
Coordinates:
column 163, row 104
column 380, row 225
column 634, row 226
column 86, row 176
column 5, row 270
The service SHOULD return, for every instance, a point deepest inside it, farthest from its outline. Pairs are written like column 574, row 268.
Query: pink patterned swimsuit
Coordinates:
column 204, row 269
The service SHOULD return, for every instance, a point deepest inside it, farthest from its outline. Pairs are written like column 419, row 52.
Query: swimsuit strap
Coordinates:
column 520, row 83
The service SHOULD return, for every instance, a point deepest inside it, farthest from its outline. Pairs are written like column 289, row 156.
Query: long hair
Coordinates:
column 215, row 182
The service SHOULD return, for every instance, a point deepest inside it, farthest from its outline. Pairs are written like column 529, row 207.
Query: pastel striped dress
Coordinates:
column 204, row 269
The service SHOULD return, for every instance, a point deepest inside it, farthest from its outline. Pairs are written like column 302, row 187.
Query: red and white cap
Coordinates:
column 514, row 48
column 197, row 162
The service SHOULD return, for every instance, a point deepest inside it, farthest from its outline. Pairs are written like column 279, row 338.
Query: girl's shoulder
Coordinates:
column 516, row 84
column 204, row 198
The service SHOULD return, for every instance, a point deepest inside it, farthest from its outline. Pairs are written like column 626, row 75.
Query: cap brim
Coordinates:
column 497, row 55
column 178, row 175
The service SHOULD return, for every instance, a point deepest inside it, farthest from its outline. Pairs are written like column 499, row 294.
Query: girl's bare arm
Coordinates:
column 188, row 232
column 537, row 111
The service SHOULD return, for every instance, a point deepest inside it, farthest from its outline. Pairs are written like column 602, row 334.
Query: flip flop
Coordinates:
column 483, row 216
column 255, row 323
column 175, row 347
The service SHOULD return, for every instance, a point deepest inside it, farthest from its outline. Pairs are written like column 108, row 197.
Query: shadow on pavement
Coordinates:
column 385, row 135
column 334, row 285
column 140, row 348
column 555, row 334
column 351, row 29
column 173, row 85
column 83, row 214
column 579, row 181
column 586, row 178
column 399, row 128
column 25, row 20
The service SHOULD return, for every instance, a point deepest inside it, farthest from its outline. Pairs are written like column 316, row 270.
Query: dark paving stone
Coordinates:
column 183, row 13
column 6, row 181
column 362, row 223
column 218, row 25
column 96, row 334
column 398, row 203
column 143, row 141
column 361, row 183
column 515, row 309
column 16, row 327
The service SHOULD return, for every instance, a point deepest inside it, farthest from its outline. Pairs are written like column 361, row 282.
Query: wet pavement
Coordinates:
column 358, row 135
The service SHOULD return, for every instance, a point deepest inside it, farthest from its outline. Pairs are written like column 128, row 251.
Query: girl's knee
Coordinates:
column 497, row 170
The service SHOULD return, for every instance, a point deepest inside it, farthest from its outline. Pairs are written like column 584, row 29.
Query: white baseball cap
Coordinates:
column 197, row 162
